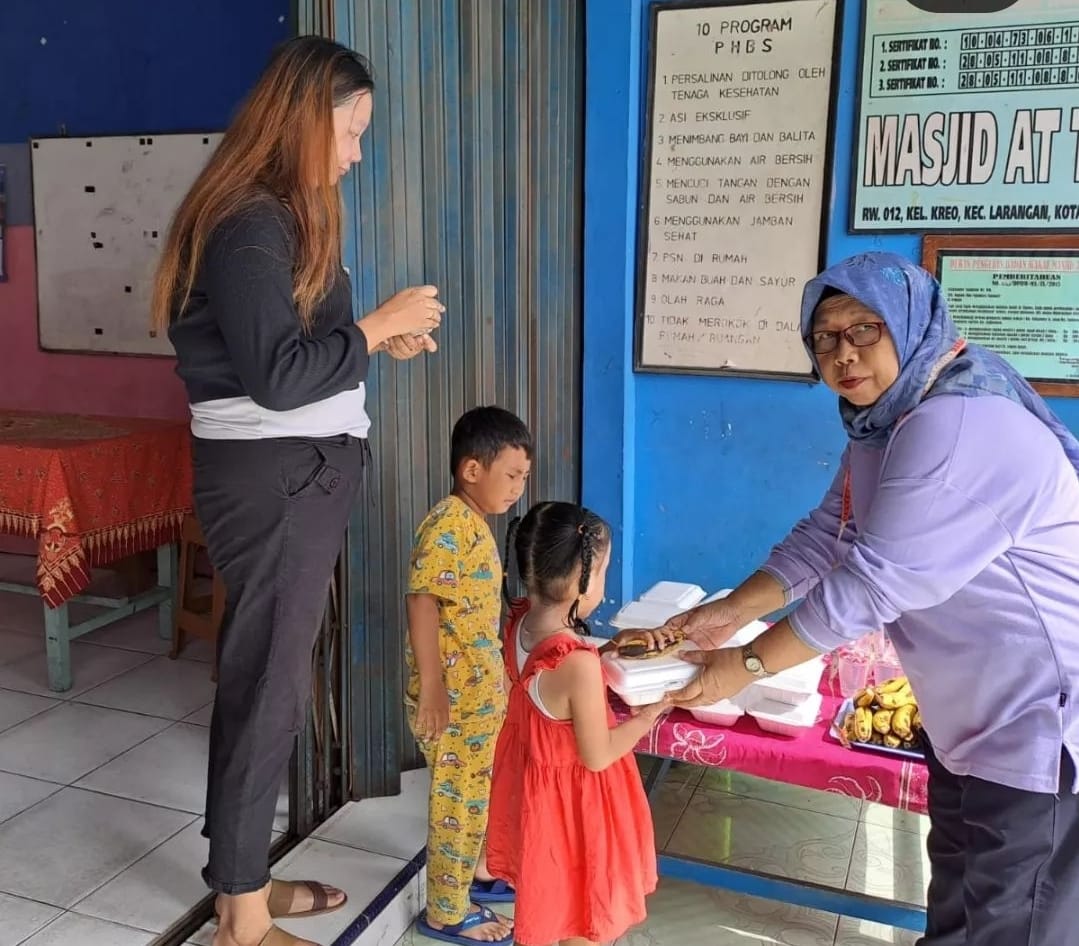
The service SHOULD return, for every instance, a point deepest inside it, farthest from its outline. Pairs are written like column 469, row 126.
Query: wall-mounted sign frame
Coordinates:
column 968, row 121
column 735, row 184
column 1019, row 296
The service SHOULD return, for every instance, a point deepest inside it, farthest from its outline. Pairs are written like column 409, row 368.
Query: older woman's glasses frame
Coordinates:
column 861, row 335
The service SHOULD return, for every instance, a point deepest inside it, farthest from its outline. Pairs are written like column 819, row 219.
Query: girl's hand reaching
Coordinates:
column 652, row 711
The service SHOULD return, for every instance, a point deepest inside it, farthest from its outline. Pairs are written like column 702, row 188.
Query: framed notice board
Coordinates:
column 968, row 121
column 735, row 184
column 1019, row 296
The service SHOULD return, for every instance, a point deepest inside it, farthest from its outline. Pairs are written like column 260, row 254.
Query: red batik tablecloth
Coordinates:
column 812, row 760
column 91, row 490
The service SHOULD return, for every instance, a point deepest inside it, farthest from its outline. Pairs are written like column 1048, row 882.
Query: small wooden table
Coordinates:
column 90, row 491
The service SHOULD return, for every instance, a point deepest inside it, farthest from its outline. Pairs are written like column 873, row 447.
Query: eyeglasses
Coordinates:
column 861, row 335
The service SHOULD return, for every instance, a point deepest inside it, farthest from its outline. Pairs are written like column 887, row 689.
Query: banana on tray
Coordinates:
column 884, row 715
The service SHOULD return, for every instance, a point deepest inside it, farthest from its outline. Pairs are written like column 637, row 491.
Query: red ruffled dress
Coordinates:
column 578, row 846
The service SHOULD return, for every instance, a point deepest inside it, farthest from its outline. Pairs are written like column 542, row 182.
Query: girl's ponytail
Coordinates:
column 511, row 531
column 588, row 540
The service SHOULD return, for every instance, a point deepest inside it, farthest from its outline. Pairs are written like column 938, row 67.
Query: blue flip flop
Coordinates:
column 452, row 934
column 492, row 891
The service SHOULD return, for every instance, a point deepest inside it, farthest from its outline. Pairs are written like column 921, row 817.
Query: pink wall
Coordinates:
column 34, row 380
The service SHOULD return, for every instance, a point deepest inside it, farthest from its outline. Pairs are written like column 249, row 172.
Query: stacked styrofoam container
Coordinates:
column 786, row 703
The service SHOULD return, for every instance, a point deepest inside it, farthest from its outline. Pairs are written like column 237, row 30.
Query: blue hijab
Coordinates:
column 912, row 305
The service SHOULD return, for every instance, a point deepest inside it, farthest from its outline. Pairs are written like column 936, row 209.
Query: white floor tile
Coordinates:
column 162, row 687
column 793, row 796
column 764, row 836
column 21, row 918
column 139, row 632
column 686, row 914
column 17, row 793
column 668, row 806
column 155, row 891
column 65, row 743
column 361, row 875
column 889, row 864
column 854, row 932
column 90, row 666
column 15, row 646
column 62, row 849
column 74, row 930
column 168, row 770
column 395, row 826
column 16, row 707
column 895, row 819
column 201, row 717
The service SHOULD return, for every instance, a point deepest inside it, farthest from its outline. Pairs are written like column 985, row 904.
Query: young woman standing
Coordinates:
column 259, row 310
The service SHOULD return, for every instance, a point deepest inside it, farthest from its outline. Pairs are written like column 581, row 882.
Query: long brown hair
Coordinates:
column 281, row 143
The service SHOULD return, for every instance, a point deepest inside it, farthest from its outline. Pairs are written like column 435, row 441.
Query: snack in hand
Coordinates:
column 644, row 646
column 885, row 715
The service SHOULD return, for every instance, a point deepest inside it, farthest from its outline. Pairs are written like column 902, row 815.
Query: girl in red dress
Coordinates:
column 570, row 826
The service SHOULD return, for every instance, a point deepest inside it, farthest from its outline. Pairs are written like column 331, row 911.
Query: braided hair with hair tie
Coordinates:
column 588, row 551
column 557, row 544
column 511, row 531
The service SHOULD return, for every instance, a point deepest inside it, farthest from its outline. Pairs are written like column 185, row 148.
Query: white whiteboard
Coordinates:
column 102, row 207
column 737, row 173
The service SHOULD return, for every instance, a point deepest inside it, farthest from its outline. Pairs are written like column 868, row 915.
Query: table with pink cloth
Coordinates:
column 812, row 760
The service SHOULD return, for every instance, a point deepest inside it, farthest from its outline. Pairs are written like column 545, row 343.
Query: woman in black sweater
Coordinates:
column 251, row 290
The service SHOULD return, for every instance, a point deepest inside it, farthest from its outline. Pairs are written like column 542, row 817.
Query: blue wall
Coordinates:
column 699, row 476
column 101, row 67
column 123, row 66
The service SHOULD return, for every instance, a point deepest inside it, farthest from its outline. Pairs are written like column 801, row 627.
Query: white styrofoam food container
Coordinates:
column 783, row 719
column 723, row 713
column 678, row 594
column 639, row 682
column 793, row 686
column 645, row 615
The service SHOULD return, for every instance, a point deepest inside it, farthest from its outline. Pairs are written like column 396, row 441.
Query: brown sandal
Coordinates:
column 279, row 937
column 283, row 893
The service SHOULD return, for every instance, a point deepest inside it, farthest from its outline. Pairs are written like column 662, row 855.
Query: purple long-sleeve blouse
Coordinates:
column 964, row 545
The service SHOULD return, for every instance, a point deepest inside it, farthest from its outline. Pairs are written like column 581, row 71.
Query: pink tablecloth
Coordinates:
column 813, row 760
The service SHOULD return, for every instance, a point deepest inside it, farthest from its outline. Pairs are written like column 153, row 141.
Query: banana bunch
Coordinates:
column 885, row 715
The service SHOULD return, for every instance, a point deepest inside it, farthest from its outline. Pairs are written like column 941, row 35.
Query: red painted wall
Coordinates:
column 34, row 380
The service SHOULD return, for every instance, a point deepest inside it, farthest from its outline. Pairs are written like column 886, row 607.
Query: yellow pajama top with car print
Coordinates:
column 455, row 559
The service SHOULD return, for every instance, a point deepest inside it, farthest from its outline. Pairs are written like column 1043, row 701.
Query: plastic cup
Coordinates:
column 885, row 670
column 853, row 674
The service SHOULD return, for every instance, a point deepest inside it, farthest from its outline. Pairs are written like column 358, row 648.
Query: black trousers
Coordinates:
column 274, row 514
column 1005, row 863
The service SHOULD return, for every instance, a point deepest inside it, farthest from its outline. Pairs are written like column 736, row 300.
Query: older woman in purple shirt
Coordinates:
column 953, row 523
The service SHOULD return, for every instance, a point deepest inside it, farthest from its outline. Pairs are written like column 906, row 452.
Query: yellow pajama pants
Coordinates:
column 460, row 761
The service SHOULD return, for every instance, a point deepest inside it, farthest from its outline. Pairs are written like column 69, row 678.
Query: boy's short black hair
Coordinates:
column 483, row 433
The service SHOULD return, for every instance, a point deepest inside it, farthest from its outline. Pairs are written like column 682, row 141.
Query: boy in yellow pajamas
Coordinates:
column 456, row 698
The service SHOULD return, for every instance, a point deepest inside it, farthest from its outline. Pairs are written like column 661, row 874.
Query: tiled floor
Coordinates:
column 101, row 790
column 101, row 787
column 784, row 830
column 361, row 849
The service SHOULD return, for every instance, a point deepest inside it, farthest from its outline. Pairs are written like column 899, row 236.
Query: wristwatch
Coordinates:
column 753, row 663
